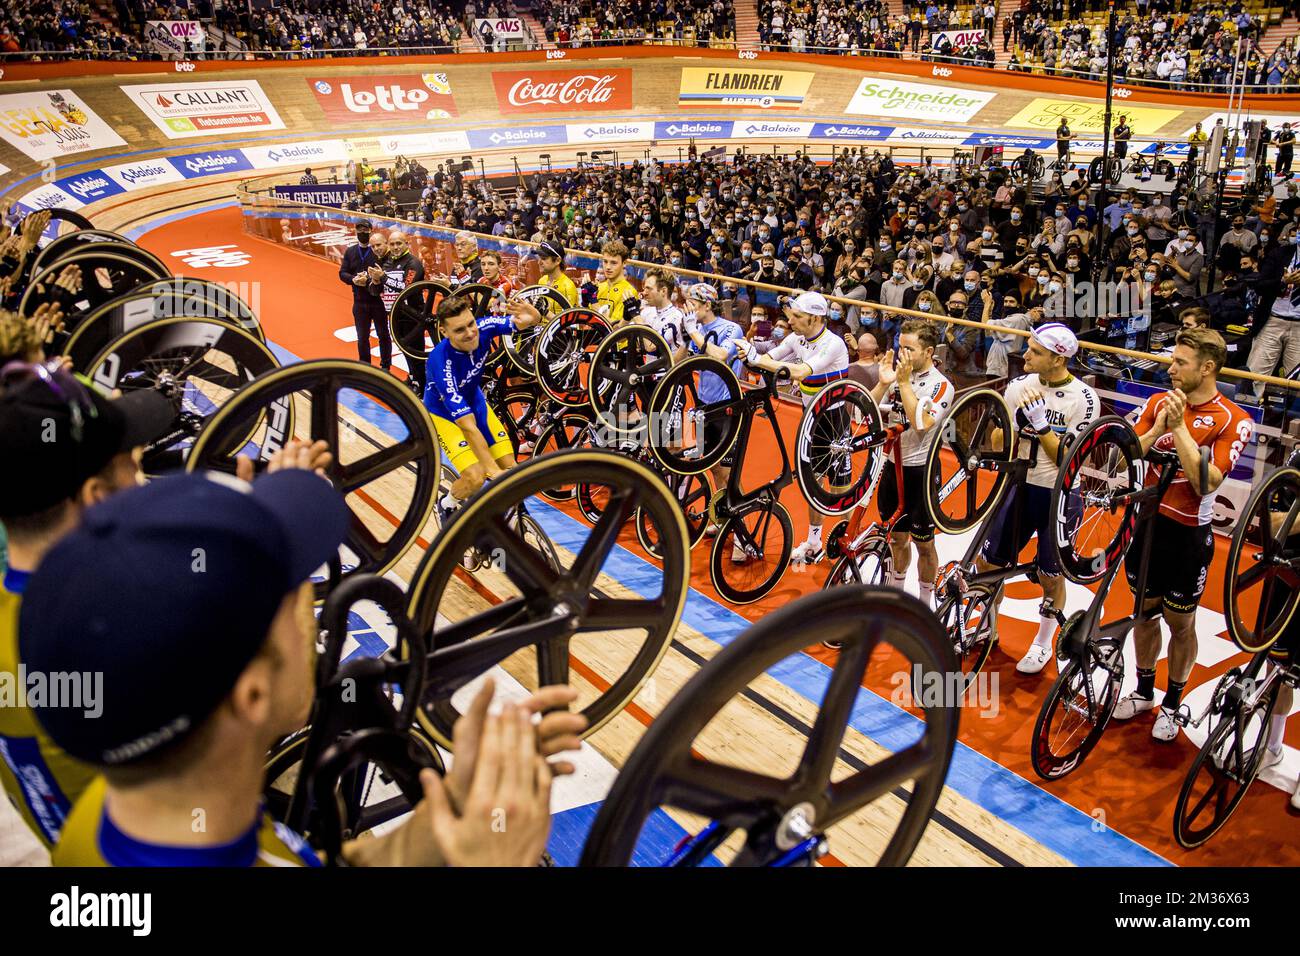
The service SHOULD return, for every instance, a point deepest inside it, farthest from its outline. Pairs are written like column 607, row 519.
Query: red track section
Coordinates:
column 1129, row 783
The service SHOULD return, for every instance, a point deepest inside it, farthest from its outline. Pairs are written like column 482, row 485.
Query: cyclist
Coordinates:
column 472, row 437
column 658, row 311
column 493, row 276
column 920, row 395
column 1194, row 415
column 1054, row 406
column 551, row 259
column 614, row 292
column 814, row 355
column 710, row 334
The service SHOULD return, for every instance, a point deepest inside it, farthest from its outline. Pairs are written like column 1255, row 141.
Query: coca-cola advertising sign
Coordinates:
column 378, row 97
column 563, row 91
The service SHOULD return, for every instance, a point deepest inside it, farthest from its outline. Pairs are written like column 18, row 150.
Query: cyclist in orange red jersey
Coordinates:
column 493, row 276
column 1194, row 415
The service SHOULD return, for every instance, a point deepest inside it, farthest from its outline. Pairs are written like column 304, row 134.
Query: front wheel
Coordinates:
column 751, row 553
column 968, row 617
column 1223, row 771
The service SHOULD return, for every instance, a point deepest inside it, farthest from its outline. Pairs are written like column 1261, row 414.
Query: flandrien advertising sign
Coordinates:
column 737, row 87
column 924, row 101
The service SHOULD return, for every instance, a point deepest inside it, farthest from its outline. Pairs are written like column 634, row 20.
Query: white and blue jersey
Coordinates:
column 720, row 332
column 454, row 378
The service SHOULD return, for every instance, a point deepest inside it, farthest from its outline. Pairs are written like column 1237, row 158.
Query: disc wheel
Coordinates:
column 1093, row 514
column 199, row 364
column 1225, row 767
column 1077, row 709
column 1261, row 583
column 693, row 493
column 568, row 431
column 836, row 466
column 411, row 320
column 676, row 403
column 751, row 552
column 962, row 480
column 533, row 620
column 687, row 760
column 108, row 270
column 387, row 475
column 521, row 347
column 968, row 619
column 164, row 299
column 624, row 369
column 564, row 352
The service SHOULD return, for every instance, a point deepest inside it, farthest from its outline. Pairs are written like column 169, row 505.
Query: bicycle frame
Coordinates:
column 748, row 407
column 856, row 536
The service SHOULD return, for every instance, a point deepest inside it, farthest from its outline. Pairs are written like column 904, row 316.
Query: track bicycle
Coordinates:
column 1099, row 504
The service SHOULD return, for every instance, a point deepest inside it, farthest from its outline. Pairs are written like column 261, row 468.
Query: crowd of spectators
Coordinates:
column 578, row 23
column 974, row 244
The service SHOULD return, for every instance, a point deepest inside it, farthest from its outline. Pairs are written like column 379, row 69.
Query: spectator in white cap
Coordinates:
column 814, row 356
column 712, row 335
column 1051, row 408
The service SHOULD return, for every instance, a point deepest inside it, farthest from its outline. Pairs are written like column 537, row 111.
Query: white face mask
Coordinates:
column 924, row 305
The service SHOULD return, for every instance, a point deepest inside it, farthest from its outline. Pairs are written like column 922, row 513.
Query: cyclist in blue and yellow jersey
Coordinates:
column 472, row 436
column 551, row 259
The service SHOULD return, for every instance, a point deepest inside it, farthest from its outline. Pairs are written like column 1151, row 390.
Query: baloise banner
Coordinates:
column 755, row 89
column 364, row 99
column 552, row 91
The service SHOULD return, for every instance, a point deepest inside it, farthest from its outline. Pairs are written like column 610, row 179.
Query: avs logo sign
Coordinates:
column 522, row 136
column 849, row 131
column 362, row 99
column 210, row 164
column 89, row 187
column 703, row 129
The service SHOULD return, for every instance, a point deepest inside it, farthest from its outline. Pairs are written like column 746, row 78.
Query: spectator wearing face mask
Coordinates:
column 1235, row 242
column 1049, row 241
column 1002, row 345
column 1185, row 259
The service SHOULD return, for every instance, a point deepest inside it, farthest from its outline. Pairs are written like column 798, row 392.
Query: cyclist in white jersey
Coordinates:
column 1053, row 406
column 911, row 389
column 658, row 311
column 814, row 355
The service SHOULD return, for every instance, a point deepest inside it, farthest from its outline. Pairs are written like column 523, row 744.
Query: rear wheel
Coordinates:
column 1093, row 515
column 1261, row 585
column 1077, row 709
column 567, row 431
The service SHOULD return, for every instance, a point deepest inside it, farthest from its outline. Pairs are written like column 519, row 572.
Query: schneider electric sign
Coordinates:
column 924, row 101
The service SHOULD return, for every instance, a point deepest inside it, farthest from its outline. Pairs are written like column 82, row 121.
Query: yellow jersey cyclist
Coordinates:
column 551, row 258
column 814, row 356
column 614, row 291
column 470, row 433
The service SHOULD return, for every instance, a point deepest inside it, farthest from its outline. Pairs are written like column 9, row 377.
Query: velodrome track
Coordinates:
column 1116, row 810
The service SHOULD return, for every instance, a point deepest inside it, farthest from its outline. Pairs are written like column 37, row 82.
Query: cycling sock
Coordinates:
column 1046, row 629
column 896, row 580
column 1146, row 683
column 450, row 502
column 927, row 595
column 815, row 535
column 1276, row 727
column 1174, row 695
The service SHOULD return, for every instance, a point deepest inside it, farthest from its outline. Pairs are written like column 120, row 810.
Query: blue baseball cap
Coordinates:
column 176, row 585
